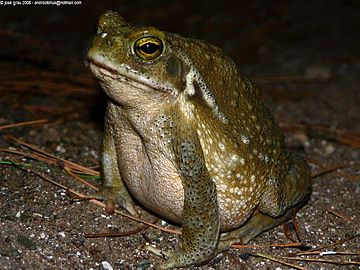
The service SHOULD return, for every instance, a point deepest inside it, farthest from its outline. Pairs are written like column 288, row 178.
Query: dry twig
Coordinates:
column 27, row 123
column 277, row 260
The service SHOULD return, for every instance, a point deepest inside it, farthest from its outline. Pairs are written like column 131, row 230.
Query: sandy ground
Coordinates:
column 304, row 55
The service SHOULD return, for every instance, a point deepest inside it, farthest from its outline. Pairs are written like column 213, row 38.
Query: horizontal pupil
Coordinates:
column 150, row 48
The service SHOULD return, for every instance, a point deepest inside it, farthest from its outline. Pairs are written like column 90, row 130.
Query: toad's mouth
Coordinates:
column 125, row 74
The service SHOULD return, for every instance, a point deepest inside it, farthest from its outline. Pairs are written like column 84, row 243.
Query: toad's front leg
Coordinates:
column 201, row 226
column 112, row 190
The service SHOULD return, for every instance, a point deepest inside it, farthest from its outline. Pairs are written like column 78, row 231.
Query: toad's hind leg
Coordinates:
column 286, row 191
column 281, row 197
column 258, row 223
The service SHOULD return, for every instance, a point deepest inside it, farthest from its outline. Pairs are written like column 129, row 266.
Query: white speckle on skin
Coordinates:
column 190, row 89
column 103, row 35
column 252, row 178
column 239, row 176
column 221, row 146
column 245, row 139
column 223, row 187
column 106, row 158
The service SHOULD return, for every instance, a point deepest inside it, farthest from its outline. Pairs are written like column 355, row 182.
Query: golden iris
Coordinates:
column 148, row 48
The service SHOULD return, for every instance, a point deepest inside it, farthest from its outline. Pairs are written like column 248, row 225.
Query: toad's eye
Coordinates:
column 148, row 48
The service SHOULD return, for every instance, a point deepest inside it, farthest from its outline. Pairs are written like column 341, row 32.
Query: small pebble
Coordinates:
column 106, row 266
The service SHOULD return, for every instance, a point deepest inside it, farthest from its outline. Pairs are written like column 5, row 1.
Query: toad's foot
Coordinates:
column 113, row 196
column 253, row 227
column 175, row 259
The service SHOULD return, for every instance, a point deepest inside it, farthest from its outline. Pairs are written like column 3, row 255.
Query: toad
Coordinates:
column 187, row 136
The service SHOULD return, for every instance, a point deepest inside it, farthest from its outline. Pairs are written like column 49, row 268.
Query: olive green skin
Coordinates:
column 189, row 137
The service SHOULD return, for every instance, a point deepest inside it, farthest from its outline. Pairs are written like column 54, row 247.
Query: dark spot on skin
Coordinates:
column 173, row 66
